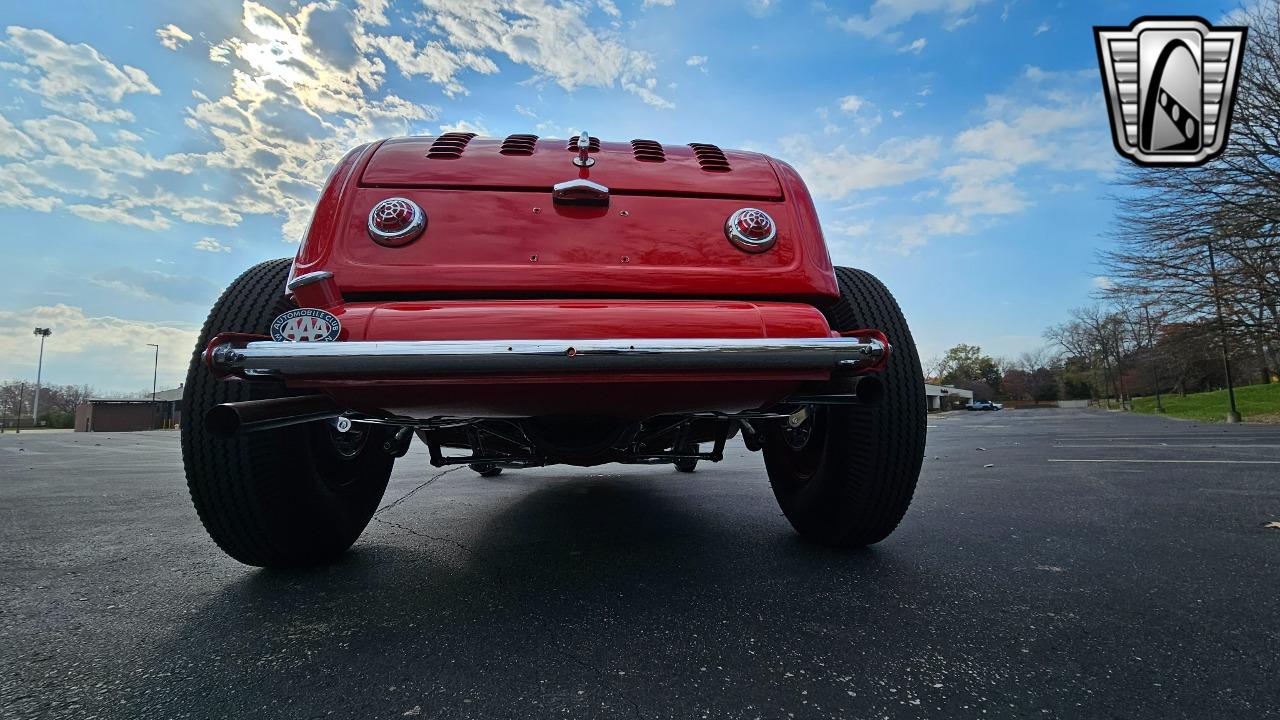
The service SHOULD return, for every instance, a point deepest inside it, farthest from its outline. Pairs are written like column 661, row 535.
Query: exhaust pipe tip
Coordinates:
column 253, row 415
column 222, row 420
column 869, row 389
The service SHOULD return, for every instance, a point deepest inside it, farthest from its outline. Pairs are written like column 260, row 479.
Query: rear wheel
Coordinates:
column 297, row 495
column 844, row 475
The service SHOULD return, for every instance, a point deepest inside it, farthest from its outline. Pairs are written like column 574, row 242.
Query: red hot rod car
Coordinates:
column 527, row 301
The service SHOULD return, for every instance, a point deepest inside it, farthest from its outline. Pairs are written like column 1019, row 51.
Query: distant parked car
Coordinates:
column 985, row 405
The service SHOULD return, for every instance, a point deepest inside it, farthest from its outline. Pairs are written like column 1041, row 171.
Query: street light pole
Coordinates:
column 155, row 372
column 35, row 412
column 1233, row 415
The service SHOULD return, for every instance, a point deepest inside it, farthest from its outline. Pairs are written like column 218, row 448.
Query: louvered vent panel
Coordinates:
column 518, row 145
column 593, row 145
column 449, row 146
column 648, row 151
column 710, row 157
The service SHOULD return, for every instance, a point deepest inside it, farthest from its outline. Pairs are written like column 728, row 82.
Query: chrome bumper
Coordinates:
column 427, row 358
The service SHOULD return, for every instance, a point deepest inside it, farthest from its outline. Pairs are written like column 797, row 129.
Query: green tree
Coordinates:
column 965, row 364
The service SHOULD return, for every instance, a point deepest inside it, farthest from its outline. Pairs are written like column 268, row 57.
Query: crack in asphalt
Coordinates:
column 414, row 491
column 495, row 575
column 416, row 533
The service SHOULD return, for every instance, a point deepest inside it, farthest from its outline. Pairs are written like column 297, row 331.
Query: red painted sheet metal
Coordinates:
column 505, row 243
column 578, row 319
column 403, row 163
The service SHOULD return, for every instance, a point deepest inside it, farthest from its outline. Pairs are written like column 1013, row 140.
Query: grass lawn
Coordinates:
column 1257, row 403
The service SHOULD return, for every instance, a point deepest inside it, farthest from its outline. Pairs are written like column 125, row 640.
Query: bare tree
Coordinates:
column 1169, row 220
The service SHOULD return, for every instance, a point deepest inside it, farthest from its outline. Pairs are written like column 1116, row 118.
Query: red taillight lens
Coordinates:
column 396, row 221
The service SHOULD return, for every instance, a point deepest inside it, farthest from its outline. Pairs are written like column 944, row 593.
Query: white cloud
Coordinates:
column 836, row 172
column 439, row 64
column 102, row 351
column 915, row 46
column 172, row 36
column 209, row 244
column 57, row 132
column 77, row 70
column 1046, row 124
column 760, row 8
column 654, row 3
column 16, row 193
column 1043, row 27
column 865, row 114
column 886, row 15
column 476, row 127
column 1022, row 132
column 157, row 286
column 120, row 216
column 1102, row 282
column 851, row 104
column 372, row 12
column 828, row 127
column 554, row 40
column 917, row 232
column 696, row 60
column 1049, row 123
column 847, row 228
column 14, row 142
column 302, row 86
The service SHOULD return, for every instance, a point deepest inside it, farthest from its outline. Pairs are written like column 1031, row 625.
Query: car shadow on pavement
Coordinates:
column 579, row 592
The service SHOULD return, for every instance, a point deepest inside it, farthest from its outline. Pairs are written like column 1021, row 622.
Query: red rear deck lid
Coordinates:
column 527, row 163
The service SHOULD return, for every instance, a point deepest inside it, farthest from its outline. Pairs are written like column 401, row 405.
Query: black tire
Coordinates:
column 846, row 476
column 294, row 496
column 487, row 470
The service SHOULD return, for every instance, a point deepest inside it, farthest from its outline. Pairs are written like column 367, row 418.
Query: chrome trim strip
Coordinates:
column 469, row 357
column 309, row 279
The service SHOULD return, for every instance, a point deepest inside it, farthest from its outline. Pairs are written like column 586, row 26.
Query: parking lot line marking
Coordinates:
column 1191, row 462
column 1170, row 445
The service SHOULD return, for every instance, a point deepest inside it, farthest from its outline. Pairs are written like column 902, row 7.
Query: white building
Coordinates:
column 942, row 397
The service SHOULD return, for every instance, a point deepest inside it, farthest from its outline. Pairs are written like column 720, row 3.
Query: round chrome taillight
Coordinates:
column 396, row 221
column 751, row 230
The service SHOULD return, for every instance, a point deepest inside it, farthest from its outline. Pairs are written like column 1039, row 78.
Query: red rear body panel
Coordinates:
column 493, row 231
column 500, row 260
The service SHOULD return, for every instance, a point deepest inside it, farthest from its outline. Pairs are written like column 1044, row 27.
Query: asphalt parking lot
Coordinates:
column 1054, row 564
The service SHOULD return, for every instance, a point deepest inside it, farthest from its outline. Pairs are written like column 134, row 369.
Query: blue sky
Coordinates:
column 149, row 152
